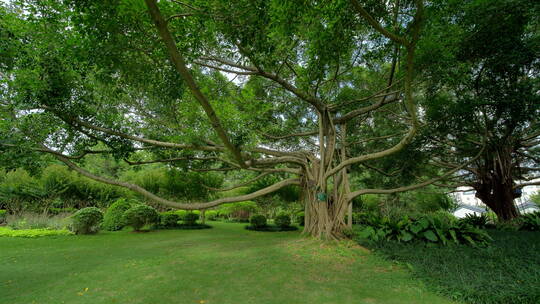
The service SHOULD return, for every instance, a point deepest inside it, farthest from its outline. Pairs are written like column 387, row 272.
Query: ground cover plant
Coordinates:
column 434, row 228
column 225, row 265
column 506, row 271
column 31, row 233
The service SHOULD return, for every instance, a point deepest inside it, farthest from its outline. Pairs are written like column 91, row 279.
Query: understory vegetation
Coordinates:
column 506, row 271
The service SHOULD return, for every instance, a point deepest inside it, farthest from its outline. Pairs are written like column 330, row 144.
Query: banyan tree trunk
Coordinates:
column 325, row 218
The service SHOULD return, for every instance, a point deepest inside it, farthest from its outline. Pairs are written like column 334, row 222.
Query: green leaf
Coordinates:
column 430, row 235
column 406, row 236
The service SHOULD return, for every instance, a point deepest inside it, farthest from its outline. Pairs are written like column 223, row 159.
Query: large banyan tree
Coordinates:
column 293, row 89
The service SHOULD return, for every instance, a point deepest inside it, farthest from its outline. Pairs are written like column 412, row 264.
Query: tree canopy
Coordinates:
column 301, row 94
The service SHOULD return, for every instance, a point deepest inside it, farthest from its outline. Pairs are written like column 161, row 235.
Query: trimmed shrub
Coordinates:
column 271, row 228
column 87, row 220
column 258, row 221
column 3, row 214
column 191, row 218
column 168, row 219
column 139, row 216
column 113, row 219
column 282, row 220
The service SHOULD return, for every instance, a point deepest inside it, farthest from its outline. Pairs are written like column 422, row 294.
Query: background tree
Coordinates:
column 480, row 62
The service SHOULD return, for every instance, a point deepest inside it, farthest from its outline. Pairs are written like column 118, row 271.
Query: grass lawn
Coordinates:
column 226, row 264
column 508, row 271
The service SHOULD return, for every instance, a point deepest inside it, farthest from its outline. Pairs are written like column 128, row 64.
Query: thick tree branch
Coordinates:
column 160, row 200
column 376, row 25
column 415, row 186
column 168, row 160
column 180, row 65
column 239, row 185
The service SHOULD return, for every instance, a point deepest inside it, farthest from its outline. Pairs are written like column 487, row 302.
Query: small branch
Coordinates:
column 168, row 160
column 239, row 185
column 389, row 98
column 310, row 133
column 376, row 25
column 178, row 16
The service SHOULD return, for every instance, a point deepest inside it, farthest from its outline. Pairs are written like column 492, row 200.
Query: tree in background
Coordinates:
column 480, row 62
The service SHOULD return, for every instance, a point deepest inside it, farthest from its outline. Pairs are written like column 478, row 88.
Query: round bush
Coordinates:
column 282, row 220
column 258, row 221
column 169, row 219
column 87, row 220
column 140, row 216
column 113, row 219
column 190, row 218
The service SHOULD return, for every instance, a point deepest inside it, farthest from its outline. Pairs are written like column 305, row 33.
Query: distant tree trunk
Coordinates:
column 499, row 197
column 203, row 216
column 496, row 186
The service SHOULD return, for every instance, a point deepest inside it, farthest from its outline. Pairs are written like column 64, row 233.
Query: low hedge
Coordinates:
column 32, row 233
column 193, row 227
column 168, row 220
column 282, row 220
column 257, row 221
column 271, row 228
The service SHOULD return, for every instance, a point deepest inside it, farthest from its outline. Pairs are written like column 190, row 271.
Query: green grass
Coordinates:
column 508, row 271
column 226, row 264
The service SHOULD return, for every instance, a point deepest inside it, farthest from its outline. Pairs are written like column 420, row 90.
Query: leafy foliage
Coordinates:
column 497, row 274
column 191, row 218
column 240, row 211
column 32, row 233
column 478, row 221
column 140, row 216
column 257, row 221
column 425, row 228
column 113, row 219
column 87, row 221
column 282, row 220
column 168, row 219
column 530, row 221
